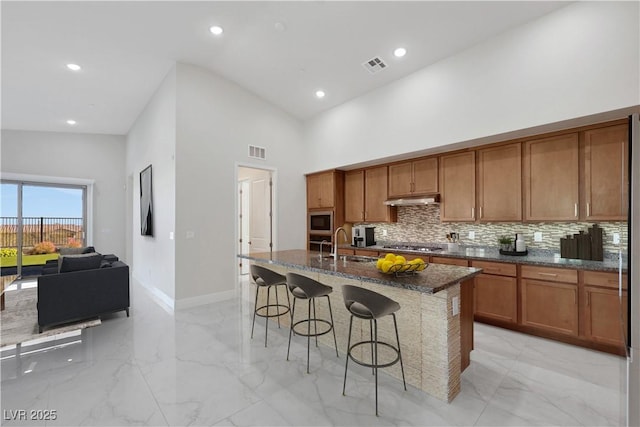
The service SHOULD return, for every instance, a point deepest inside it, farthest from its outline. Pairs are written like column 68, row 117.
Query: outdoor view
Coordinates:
column 52, row 218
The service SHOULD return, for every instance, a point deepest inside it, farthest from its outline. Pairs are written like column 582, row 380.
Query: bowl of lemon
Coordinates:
column 398, row 265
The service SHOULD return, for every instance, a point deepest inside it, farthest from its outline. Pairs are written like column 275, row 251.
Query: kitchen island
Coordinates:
column 434, row 322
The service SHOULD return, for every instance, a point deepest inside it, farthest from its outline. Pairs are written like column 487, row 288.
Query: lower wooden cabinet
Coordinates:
column 605, row 315
column 551, row 306
column 496, row 297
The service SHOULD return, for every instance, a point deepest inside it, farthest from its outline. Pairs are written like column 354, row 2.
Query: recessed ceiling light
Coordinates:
column 400, row 52
column 71, row 122
column 74, row 67
column 216, row 30
column 320, row 94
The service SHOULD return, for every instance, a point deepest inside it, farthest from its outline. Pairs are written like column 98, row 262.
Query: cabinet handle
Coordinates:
column 473, row 213
column 588, row 210
column 575, row 210
column 481, row 212
column 548, row 274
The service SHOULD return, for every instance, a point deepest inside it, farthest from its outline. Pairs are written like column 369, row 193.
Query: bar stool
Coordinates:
column 265, row 278
column 303, row 287
column 370, row 305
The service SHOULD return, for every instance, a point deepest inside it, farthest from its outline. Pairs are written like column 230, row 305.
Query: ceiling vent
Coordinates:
column 374, row 65
column 256, row 152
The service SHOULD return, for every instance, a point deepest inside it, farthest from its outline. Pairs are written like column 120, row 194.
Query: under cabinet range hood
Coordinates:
column 414, row 201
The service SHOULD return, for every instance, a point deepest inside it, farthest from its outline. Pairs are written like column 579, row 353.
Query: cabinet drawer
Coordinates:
column 497, row 268
column 365, row 252
column 550, row 274
column 606, row 280
column 450, row 261
column 342, row 251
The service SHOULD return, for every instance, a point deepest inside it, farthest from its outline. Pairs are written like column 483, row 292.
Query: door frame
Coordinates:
column 274, row 203
column 50, row 181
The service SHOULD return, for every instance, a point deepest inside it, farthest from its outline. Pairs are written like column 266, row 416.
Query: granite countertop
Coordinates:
column 541, row 257
column 434, row 278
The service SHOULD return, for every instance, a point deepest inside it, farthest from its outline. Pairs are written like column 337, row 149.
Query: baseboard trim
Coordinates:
column 205, row 299
column 163, row 300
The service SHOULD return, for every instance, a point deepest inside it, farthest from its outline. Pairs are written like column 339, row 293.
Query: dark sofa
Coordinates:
column 84, row 293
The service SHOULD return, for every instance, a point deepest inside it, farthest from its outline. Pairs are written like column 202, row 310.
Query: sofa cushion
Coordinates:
column 79, row 262
column 77, row 251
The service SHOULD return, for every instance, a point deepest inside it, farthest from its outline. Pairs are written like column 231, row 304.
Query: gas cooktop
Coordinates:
column 414, row 248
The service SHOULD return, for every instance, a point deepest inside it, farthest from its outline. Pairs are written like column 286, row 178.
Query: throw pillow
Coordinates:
column 88, row 250
column 80, row 262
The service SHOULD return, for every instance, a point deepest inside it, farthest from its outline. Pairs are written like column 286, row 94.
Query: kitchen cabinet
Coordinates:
column 450, row 261
column 605, row 164
column 604, row 314
column 365, row 193
column 500, row 183
column 458, row 187
column 549, row 299
column 550, row 176
column 321, row 190
column 496, row 292
column 415, row 178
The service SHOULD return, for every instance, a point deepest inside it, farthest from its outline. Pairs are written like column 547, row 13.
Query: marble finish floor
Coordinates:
column 200, row 367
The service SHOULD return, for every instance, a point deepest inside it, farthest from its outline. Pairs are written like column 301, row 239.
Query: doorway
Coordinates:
column 37, row 219
column 255, row 212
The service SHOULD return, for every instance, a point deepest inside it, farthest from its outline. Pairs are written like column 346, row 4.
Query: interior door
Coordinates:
column 260, row 208
column 243, row 209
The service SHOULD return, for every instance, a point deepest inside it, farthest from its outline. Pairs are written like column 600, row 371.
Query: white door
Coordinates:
column 243, row 221
column 260, row 208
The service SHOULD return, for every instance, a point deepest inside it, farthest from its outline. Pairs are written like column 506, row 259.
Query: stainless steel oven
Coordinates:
column 321, row 223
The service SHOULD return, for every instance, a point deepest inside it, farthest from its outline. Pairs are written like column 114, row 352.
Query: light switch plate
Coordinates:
column 190, row 234
column 616, row 238
column 455, row 306
column 384, row 232
column 472, row 235
column 171, row 235
column 537, row 236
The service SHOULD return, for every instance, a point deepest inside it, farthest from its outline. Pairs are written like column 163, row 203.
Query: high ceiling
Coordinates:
column 281, row 51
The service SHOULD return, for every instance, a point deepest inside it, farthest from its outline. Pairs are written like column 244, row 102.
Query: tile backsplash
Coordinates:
column 422, row 224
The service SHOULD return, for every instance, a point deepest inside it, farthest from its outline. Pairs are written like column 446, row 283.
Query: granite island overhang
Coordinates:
column 434, row 322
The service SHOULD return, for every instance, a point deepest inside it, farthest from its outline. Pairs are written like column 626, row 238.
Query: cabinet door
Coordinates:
column 496, row 297
column 375, row 187
column 400, row 179
column 500, row 183
column 550, row 306
column 320, row 190
column 605, row 315
column 606, row 169
column 551, row 178
column 354, row 196
column 425, row 176
column 458, row 187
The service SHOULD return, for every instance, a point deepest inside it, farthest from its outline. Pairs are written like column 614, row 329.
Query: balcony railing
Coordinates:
column 59, row 231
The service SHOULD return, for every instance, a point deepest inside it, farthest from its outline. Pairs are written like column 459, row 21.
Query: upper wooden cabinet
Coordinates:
column 605, row 159
column 354, row 196
column 500, row 183
column 458, row 187
column 413, row 178
column 321, row 190
column 365, row 192
column 551, row 188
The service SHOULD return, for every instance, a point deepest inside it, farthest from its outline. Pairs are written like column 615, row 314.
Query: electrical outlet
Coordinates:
column 384, row 232
column 537, row 236
column 472, row 235
column 616, row 238
column 455, row 306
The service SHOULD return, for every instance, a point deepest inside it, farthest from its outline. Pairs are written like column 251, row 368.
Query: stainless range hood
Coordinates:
column 414, row 201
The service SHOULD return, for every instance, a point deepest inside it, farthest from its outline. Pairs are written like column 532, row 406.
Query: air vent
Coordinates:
column 374, row 65
column 256, row 152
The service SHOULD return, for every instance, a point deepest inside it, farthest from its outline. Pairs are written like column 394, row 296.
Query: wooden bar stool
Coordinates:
column 303, row 287
column 370, row 305
column 265, row 278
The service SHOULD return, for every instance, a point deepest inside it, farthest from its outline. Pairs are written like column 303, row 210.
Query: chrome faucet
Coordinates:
column 324, row 242
column 335, row 241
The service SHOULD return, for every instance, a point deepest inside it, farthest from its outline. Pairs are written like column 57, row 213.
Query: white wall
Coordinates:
column 151, row 141
column 578, row 61
column 216, row 120
column 84, row 156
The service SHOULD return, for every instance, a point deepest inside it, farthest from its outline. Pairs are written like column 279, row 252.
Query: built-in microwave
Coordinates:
column 321, row 223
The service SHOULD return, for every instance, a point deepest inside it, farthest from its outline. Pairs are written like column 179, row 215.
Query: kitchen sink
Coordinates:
column 354, row 258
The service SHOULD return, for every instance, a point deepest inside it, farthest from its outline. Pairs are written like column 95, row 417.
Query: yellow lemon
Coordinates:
column 401, row 259
column 390, row 257
column 379, row 263
column 421, row 266
column 418, row 261
column 386, row 265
